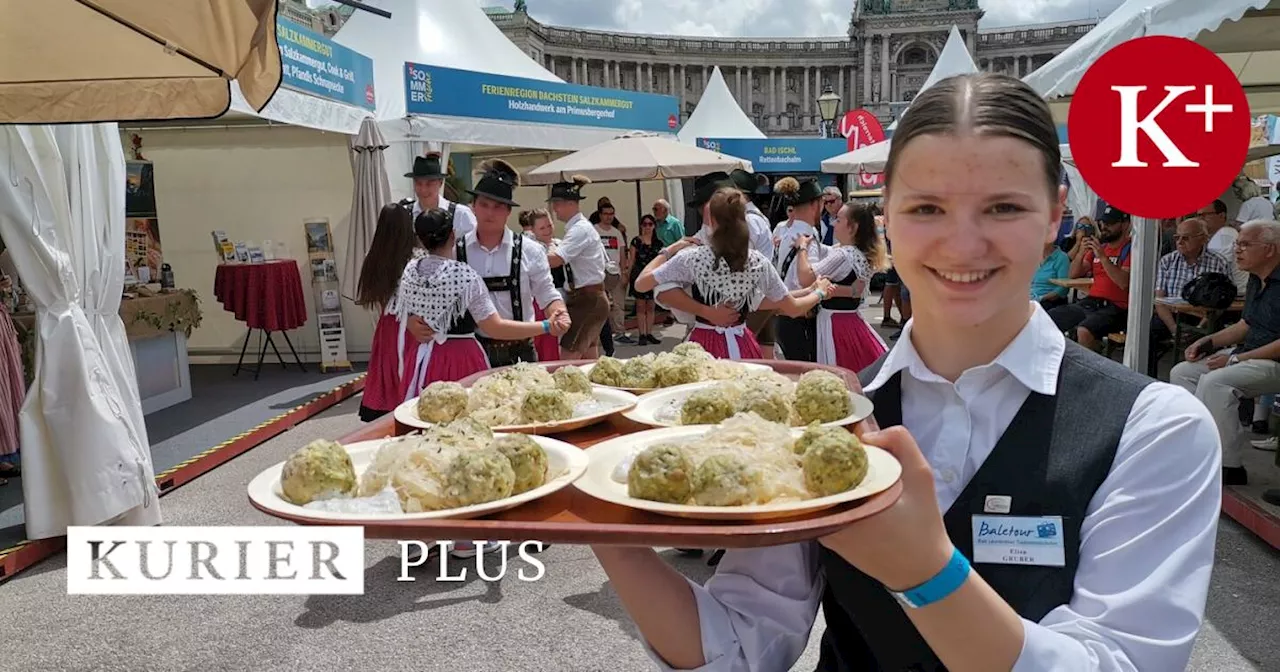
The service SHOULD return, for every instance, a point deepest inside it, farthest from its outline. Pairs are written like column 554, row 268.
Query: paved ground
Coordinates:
column 568, row 622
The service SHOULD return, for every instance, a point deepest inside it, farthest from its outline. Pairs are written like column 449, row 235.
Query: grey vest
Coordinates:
column 1051, row 460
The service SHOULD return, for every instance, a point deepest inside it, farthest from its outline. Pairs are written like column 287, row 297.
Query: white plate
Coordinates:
column 883, row 470
column 654, row 408
column 586, row 368
column 565, row 464
column 407, row 414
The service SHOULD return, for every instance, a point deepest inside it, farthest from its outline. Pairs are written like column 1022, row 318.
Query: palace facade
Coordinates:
column 890, row 49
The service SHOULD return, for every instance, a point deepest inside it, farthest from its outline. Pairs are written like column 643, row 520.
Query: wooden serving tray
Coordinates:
column 572, row 517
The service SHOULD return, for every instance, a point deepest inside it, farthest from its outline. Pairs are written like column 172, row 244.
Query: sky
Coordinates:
column 769, row 18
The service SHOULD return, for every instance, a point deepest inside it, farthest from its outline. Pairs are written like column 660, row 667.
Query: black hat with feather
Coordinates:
column 497, row 182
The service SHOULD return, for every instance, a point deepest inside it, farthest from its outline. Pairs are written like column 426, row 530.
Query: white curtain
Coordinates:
column 86, row 457
column 1080, row 196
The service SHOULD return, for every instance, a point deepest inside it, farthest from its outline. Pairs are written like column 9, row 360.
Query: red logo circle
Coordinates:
column 672, row 122
column 368, row 94
column 1159, row 127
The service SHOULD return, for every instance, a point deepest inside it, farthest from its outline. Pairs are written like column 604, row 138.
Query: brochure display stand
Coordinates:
column 324, row 281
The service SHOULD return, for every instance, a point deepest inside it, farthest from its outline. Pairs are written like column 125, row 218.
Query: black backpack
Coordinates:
column 1210, row 290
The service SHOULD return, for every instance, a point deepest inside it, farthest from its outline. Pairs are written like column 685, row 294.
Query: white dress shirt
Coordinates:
column 464, row 220
column 1224, row 243
column 535, row 274
column 582, row 250
column 1147, row 540
column 1257, row 207
column 761, row 232
column 786, row 235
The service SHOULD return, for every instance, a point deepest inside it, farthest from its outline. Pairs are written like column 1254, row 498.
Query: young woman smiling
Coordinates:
column 1058, row 510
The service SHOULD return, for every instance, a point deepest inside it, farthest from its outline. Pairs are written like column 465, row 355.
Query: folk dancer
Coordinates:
column 514, row 268
column 429, row 173
column 725, row 272
column 583, row 258
column 453, row 300
column 797, row 335
column 844, row 337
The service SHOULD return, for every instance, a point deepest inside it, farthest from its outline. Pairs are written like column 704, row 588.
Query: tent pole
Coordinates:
column 639, row 207
column 1142, row 285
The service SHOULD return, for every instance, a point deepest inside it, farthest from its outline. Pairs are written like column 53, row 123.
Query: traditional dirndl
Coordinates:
column 547, row 346
column 13, row 387
column 449, row 358
column 846, row 340
column 736, row 342
column 382, row 388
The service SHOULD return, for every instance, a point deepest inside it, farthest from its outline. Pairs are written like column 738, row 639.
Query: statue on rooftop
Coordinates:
column 521, row 7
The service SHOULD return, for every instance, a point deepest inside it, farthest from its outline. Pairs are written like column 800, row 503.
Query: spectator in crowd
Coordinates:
column 644, row 249
column 1253, row 206
column 1222, row 239
column 1189, row 261
column 613, row 237
column 1055, row 266
column 832, row 201
column 670, row 229
column 1106, row 259
column 1240, row 361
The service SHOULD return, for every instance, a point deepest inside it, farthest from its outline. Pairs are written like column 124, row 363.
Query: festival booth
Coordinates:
column 717, row 115
column 86, row 457
column 272, row 190
column 1244, row 33
column 449, row 80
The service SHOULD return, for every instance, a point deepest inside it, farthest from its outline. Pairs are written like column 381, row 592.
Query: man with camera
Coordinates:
column 1106, row 259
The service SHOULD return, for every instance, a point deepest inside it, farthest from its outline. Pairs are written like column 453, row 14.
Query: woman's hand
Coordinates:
column 906, row 544
column 419, row 329
column 681, row 244
column 823, row 285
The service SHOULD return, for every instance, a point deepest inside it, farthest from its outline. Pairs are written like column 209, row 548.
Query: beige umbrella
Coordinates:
column 126, row 60
column 636, row 157
column 372, row 191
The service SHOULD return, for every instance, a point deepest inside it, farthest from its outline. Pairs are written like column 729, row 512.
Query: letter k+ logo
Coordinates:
column 1159, row 126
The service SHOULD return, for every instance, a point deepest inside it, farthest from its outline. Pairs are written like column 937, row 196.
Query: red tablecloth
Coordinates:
column 263, row 296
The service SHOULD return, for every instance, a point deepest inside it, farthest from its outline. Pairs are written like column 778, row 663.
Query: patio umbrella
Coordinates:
column 126, row 60
column 868, row 159
column 372, row 191
column 636, row 157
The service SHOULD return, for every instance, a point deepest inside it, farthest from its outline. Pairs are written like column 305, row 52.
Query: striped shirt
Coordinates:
column 1174, row 272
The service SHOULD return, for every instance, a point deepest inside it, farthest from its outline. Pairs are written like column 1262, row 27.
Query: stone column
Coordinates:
column 884, row 69
column 971, row 37
column 866, row 69
column 840, row 89
column 751, row 92
column 680, row 84
column 772, row 105
column 639, row 78
column 1017, row 67
column 807, row 104
column 671, row 77
column 850, row 102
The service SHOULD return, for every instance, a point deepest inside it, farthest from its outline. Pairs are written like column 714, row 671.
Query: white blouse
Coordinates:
column 716, row 283
column 1146, row 543
column 440, row 291
column 840, row 261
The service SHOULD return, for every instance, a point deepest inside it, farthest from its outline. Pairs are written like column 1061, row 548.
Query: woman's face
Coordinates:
column 647, row 226
column 542, row 229
column 844, row 227
column 969, row 218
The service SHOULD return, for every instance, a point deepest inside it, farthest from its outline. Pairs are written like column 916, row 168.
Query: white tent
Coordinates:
column 301, row 109
column 635, row 157
column 955, row 59
column 717, row 115
column 451, row 35
column 1244, row 33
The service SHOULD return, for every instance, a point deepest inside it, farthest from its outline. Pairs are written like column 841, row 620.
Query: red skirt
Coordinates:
column 546, row 345
column 720, row 344
column 382, row 388
column 846, row 340
column 452, row 360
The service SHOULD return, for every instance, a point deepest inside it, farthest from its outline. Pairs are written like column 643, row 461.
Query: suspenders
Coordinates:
column 510, row 283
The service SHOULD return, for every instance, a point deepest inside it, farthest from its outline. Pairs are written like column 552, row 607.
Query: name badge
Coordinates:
column 1015, row 540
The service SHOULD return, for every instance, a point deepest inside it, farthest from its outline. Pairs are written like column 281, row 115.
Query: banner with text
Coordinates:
column 314, row 64
column 464, row 93
column 779, row 155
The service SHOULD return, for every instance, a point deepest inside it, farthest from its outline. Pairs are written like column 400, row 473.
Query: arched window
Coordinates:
column 915, row 56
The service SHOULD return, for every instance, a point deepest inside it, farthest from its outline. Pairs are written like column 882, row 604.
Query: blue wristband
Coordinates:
column 546, row 326
column 945, row 582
